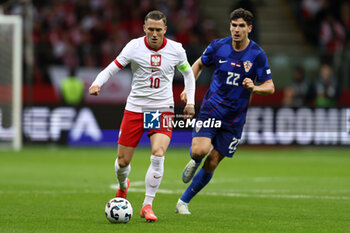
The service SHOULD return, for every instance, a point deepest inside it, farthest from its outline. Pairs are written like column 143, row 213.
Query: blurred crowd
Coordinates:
column 91, row 33
column 326, row 27
column 323, row 92
column 325, row 23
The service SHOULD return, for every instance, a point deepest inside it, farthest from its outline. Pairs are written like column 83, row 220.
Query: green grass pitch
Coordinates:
column 49, row 190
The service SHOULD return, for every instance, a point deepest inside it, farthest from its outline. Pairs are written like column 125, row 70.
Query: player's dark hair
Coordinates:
column 156, row 15
column 244, row 14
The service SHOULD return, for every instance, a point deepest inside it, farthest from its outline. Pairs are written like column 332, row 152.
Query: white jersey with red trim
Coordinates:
column 153, row 73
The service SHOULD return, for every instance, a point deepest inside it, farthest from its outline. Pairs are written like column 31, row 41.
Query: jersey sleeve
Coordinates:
column 123, row 59
column 106, row 74
column 208, row 55
column 185, row 68
column 262, row 70
column 182, row 58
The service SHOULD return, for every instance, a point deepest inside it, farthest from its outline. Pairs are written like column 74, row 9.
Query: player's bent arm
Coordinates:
column 190, row 83
column 190, row 87
column 197, row 67
column 266, row 88
column 103, row 77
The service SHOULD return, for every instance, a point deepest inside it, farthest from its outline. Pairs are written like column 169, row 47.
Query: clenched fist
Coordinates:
column 249, row 84
column 94, row 90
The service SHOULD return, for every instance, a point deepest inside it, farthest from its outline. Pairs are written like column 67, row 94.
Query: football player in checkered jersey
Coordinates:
column 153, row 60
column 239, row 62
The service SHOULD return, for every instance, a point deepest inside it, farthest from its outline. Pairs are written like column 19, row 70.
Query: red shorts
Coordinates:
column 131, row 128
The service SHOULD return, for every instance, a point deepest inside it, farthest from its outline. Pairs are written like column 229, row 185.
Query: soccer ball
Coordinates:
column 118, row 210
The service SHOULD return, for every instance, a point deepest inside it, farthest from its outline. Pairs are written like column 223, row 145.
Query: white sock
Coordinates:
column 153, row 178
column 122, row 173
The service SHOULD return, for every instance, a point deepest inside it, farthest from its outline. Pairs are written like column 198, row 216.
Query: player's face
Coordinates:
column 240, row 30
column 155, row 30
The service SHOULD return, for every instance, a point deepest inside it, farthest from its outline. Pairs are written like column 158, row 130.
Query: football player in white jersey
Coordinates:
column 153, row 59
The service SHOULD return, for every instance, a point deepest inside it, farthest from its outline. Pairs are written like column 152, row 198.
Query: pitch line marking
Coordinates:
column 281, row 196
column 235, row 194
column 179, row 192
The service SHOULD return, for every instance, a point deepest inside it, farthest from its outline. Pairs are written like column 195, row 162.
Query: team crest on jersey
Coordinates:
column 156, row 60
column 247, row 66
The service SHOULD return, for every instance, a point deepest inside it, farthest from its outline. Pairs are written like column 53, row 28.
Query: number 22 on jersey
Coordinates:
column 232, row 78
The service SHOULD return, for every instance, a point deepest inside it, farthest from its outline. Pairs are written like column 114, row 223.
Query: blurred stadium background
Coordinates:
column 305, row 40
column 62, row 178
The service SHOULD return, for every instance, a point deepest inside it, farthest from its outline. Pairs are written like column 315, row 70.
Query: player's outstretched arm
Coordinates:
column 102, row 78
column 266, row 88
